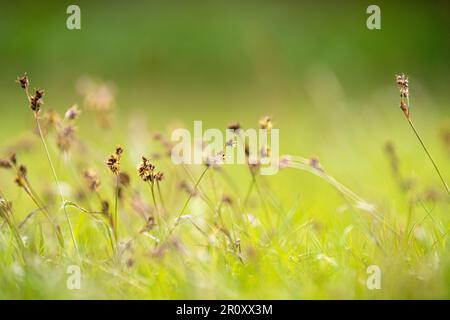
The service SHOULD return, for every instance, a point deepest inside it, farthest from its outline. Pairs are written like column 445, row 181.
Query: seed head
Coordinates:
column 159, row 176
column 113, row 161
column 146, row 170
column 36, row 100
column 72, row 113
column 23, row 81
column 403, row 84
column 21, row 178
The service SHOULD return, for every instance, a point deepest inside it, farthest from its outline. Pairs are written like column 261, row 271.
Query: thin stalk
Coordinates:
column 160, row 196
column 152, row 189
column 188, row 200
column 116, row 221
column 55, row 177
column 429, row 156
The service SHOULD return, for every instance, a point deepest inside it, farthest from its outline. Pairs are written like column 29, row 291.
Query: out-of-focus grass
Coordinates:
column 328, row 83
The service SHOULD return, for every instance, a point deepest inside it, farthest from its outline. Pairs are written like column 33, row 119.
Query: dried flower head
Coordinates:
column 113, row 161
column 23, row 81
column 36, row 100
column 72, row 113
column 21, row 178
column 266, row 123
column 146, row 170
column 403, row 84
column 92, row 179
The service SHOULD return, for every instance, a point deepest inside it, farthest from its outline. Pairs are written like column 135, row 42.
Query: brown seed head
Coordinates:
column 23, row 81
column 146, row 170
column 113, row 161
column 36, row 100
column 21, row 178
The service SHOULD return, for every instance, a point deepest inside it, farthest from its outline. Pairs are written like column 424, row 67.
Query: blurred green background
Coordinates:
column 327, row 81
column 314, row 66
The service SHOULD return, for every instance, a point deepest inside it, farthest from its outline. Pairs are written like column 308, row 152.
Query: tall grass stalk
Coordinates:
column 55, row 177
column 429, row 155
column 188, row 200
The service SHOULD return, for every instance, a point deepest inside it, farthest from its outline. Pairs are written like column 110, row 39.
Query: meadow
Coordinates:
column 87, row 182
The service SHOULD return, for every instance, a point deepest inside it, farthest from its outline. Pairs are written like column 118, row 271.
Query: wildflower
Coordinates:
column 266, row 123
column 146, row 169
column 113, row 161
column 72, row 113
